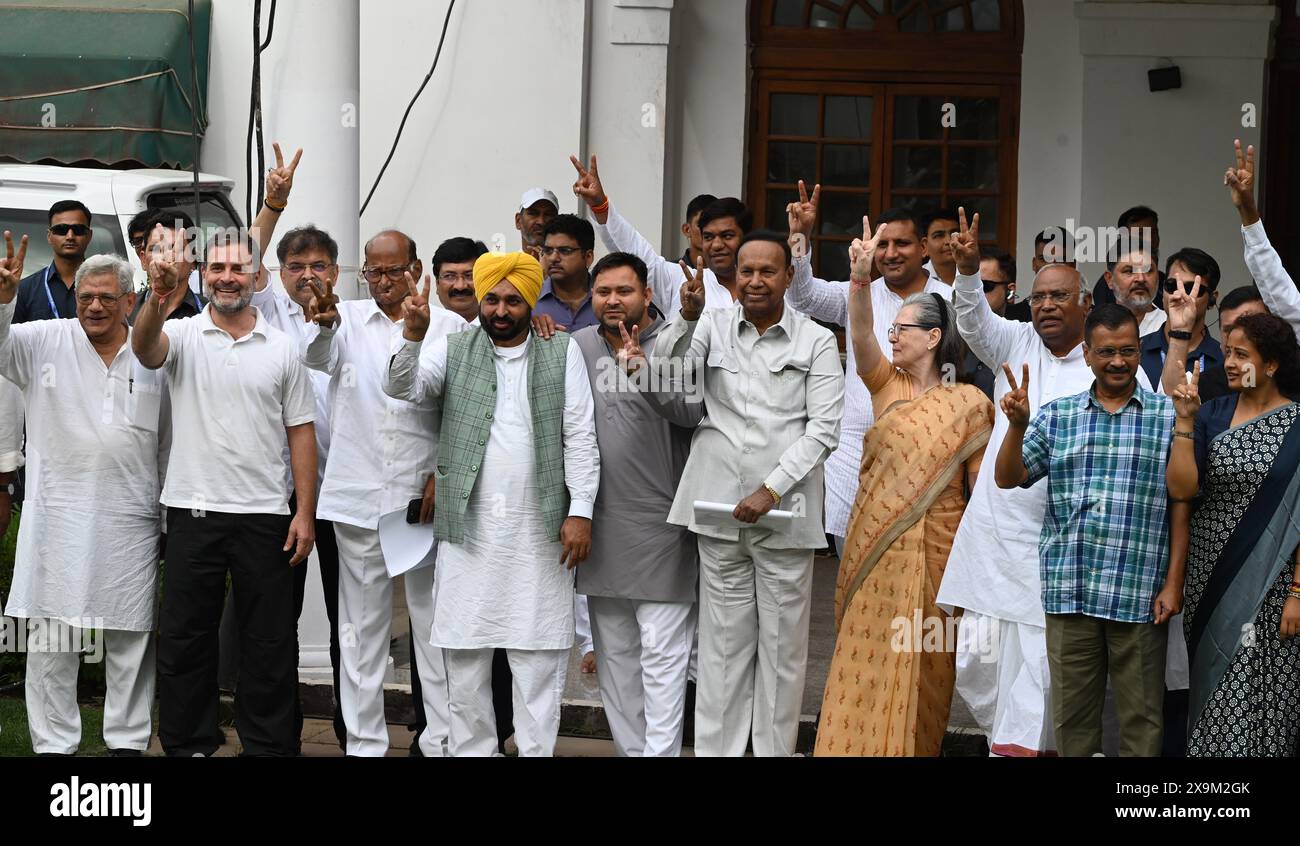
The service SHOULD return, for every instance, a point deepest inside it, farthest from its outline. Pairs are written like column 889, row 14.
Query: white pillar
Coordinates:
column 627, row 106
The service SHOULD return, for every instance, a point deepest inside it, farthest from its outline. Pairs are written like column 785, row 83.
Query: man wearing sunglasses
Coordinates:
column 1182, row 271
column 48, row 293
column 998, row 273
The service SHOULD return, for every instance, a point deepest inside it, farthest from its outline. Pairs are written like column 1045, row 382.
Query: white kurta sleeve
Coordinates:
column 416, row 371
column 11, row 426
column 990, row 337
column 1275, row 284
column 321, row 353
column 16, row 349
column 817, row 298
column 581, row 452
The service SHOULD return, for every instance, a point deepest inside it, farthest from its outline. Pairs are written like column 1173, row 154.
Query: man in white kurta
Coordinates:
column 517, row 454
column 87, row 555
column 993, row 570
column 383, row 452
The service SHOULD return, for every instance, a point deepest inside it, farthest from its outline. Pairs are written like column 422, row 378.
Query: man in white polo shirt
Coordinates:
column 238, row 391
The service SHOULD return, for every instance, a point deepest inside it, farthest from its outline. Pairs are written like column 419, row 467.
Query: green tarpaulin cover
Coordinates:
column 101, row 80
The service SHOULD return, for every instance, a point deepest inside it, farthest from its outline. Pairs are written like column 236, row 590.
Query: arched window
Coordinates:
column 885, row 103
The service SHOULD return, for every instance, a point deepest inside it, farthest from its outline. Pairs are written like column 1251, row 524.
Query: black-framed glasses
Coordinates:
column 1171, row 285
column 991, row 286
column 81, row 230
column 319, row 268
column 897, row 328
column 563, row 252
column 394, row 274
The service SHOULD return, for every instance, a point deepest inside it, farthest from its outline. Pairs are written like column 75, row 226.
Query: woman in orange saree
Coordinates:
column 892, row 672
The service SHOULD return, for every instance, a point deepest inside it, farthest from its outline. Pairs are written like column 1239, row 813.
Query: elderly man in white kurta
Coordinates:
column 87, row 554
column 993, row 570
column 383, row 451
column 517, row 476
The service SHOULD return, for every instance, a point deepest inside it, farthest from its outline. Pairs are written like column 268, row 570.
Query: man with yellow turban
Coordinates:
column 516, row 480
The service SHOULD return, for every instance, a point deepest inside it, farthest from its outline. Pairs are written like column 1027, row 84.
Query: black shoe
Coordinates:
column 416, row 752
column 54, row 754
column 125, row 753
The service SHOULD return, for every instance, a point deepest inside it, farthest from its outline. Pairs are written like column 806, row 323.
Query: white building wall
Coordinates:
column 708, row 121
column 1050, row 185
column 310, row 98
column 1169, row 149
column 502, row 114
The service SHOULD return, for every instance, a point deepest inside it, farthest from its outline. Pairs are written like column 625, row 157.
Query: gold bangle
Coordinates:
column 775, row 496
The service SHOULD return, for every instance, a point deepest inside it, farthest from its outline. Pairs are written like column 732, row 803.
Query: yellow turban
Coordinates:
column 519, row 269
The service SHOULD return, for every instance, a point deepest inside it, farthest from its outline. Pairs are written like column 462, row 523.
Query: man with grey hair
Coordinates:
column 239, row 391
column 87, row 556
column 992, row 573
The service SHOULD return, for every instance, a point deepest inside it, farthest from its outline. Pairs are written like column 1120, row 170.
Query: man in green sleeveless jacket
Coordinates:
column 516, row 480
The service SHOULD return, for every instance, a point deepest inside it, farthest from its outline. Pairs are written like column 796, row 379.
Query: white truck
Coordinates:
column 113, row 197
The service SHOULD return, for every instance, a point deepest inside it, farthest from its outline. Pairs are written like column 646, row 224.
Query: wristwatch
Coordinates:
column 1180, row 335
column 776, row 497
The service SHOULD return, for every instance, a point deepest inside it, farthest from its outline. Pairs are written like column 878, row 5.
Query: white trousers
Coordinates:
column 582, row 625
column 53, row 717
column 1003, row 677
column 429, row 662
column 643, row 650
column 365, row 630
column 754, row 611
column 537, row 689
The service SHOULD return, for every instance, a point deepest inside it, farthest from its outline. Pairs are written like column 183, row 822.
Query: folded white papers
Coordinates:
column 719, row 514
column 405, row 547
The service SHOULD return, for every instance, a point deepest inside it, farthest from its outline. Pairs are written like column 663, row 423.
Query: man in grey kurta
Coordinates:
column 640, row 579
column 773, row 391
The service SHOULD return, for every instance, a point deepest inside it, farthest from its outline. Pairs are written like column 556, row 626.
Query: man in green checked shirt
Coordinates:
column 1112, row 567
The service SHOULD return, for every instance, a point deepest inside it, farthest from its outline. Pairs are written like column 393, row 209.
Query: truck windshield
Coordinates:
column 214, row 209
column 34, row 223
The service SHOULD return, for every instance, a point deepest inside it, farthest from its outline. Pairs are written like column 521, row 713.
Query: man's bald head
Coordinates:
column 390, row 241
column 1059, row 305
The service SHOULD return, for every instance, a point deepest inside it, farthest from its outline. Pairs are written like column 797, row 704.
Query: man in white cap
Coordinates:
column 537, row 208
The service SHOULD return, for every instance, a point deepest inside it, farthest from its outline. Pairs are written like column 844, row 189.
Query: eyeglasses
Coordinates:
column 394, row 274
column 897, row 328
column 990, row 286
column 1059, row 298
column 1171, row 285
column 106, row 300
column 1107, row 353
column 565, row 252
column 319, row 268
column 453, row 278
column 81, row 230
column 138, row 243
